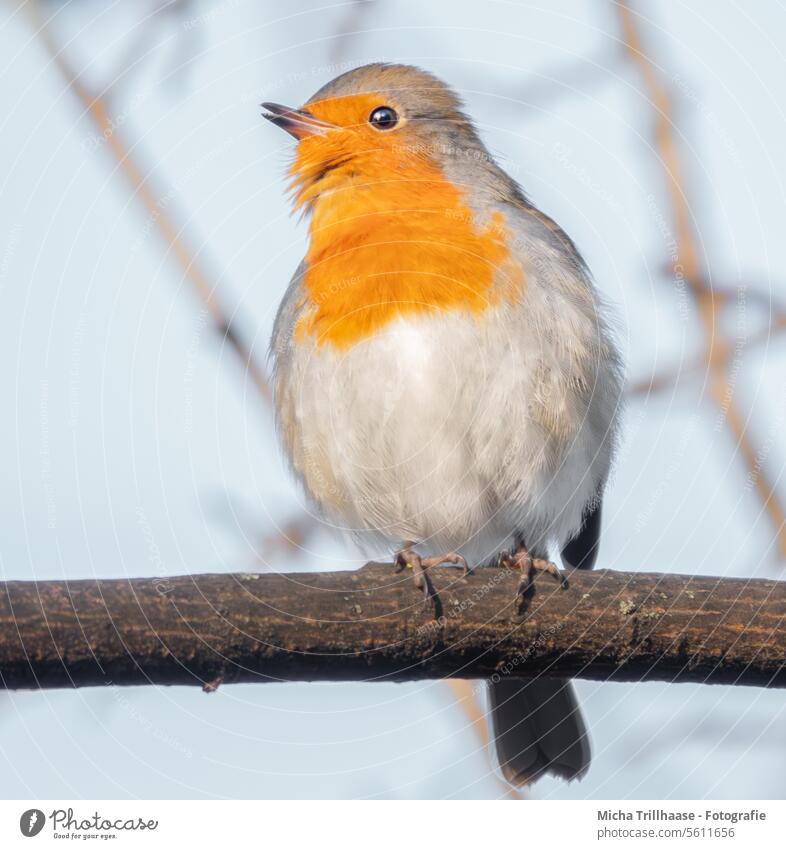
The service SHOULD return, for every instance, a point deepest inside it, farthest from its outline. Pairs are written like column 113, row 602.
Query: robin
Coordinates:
column 445, row 381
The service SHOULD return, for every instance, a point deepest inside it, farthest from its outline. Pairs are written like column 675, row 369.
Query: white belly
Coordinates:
column 452, row 432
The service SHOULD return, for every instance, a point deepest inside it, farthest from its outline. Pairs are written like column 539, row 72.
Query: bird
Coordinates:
column 446, row 380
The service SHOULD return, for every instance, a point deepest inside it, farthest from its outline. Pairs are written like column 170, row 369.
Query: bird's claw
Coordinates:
column 406, row 558
column 528, row 566
column 450, row 557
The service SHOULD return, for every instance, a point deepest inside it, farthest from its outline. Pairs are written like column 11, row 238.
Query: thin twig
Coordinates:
column 717, row 346
column 464, row 694
column 141, row 185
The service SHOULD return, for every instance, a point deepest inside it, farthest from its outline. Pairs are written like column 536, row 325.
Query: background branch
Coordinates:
column 716, row 342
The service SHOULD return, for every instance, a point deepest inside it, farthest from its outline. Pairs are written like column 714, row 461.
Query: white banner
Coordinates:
column 379, row 824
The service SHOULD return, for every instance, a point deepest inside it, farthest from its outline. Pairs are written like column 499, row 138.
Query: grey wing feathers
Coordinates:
column 582, row 551
column 287, row 313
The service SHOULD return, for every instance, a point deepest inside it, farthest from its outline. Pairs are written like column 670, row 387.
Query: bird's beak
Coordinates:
column 297, row 122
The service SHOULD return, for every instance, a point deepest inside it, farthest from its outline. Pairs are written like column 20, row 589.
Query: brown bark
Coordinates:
column 371, row 625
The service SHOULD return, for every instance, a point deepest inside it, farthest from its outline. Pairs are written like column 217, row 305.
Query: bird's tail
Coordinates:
column 538, row 729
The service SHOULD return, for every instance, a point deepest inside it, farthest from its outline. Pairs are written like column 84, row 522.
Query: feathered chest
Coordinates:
column 396, row 248
column 424, row 385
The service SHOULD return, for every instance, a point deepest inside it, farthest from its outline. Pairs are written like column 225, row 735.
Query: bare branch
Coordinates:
column 371, row 625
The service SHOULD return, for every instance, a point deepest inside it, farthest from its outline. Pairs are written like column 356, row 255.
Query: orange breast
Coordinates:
column 385, row 245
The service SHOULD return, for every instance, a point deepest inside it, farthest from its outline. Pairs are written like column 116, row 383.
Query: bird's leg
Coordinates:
column 450, row 557
column 406, row 558
column 522, row 560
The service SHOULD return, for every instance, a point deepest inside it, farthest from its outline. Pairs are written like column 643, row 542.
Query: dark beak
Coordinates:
column 297, row 122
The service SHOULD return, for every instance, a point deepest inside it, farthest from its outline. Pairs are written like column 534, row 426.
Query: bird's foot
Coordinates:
column 406, row 558
column 528, row 565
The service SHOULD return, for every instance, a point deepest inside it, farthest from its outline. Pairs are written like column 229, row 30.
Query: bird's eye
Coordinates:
column 383, row 118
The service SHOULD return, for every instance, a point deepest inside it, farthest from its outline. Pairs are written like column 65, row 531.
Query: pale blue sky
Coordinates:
column 132, row 445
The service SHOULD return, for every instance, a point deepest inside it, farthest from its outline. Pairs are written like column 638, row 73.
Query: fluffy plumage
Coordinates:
column 443, row 369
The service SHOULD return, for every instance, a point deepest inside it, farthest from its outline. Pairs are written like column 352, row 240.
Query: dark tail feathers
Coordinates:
column 538, row 729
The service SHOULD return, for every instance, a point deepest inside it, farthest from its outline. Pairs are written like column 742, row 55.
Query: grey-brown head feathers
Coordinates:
column 419, row 93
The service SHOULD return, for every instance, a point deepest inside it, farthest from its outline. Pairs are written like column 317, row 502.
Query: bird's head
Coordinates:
column 374, row 125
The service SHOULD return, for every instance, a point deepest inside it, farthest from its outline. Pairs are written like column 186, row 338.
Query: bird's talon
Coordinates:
column 423, row 583
column 528, row 566
column 406, row 558
column 506, row 560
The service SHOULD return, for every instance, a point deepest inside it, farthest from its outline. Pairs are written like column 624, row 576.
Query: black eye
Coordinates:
column 383, row 118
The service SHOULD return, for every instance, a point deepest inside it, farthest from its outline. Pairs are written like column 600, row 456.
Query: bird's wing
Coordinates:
column 287, row 314
column 582, row 551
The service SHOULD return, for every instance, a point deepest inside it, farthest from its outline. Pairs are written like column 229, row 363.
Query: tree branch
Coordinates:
column 372, row 625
